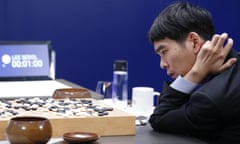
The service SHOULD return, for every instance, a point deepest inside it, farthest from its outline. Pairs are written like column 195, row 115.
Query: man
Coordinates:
column 204, row 98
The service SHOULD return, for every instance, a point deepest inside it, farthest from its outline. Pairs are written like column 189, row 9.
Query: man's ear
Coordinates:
column 196, row 41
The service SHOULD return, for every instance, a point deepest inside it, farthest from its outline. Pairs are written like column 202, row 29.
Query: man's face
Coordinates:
column 176, row 58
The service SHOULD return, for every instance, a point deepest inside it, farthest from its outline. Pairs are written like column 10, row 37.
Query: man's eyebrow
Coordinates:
column 157, row 50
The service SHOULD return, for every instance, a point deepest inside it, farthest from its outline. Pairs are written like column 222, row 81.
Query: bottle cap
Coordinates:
column 120, row 65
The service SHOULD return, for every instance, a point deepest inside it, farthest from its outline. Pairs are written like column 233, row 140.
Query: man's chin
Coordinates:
column 174, row 77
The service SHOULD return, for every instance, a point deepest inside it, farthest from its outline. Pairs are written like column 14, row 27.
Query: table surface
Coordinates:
column 144, row 134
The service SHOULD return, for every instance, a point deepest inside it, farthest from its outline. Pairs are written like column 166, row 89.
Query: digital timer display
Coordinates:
column 24, row 60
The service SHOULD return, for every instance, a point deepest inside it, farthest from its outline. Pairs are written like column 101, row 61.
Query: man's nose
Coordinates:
column 163, row 64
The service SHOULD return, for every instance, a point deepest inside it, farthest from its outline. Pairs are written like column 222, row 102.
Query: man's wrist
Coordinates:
column 195, row 75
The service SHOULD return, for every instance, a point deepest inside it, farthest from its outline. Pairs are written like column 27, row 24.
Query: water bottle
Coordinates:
column 120, row 83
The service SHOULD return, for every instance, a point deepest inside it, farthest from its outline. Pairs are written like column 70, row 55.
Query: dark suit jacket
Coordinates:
column 211, row 112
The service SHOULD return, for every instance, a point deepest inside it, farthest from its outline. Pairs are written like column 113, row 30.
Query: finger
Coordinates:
column 228, row 45
column 227, row 64
column 221, row 40
column 215, row 39
column 206, row 44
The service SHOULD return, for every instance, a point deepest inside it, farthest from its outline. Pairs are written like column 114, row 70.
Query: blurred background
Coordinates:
column 88, row 35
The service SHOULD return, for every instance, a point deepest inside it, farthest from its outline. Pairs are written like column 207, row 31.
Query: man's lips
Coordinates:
column 171, row 74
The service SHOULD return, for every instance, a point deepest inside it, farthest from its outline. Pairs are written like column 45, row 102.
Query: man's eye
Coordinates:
column 163, row 52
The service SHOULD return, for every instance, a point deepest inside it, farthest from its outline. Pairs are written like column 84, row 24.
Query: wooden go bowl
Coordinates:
column 28, row 130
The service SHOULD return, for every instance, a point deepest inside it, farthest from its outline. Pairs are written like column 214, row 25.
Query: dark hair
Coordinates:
column 180, row 18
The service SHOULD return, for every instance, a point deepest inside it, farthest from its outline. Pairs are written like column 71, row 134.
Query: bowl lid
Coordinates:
column 80, row 137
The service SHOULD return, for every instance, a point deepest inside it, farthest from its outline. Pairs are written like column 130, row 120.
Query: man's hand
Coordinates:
column 211, row 58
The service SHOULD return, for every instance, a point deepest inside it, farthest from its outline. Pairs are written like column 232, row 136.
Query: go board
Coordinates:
column 70, row 115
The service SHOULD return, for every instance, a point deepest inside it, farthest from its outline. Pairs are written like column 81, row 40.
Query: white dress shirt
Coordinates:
column 183, row 85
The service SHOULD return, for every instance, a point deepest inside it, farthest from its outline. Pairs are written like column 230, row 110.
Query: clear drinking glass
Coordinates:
column 104, row 88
